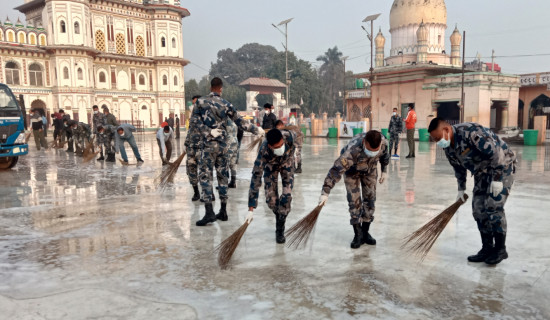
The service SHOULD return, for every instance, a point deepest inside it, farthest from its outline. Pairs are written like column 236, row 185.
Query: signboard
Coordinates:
column 346, row 128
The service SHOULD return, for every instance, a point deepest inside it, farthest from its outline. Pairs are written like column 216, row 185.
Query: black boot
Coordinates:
column 358, row 238
column 280, row 228
column 197, row 194
column 101, row 158
column 499, row 252
column 209, row 216
column 299, row 168
column 486, row 249
column 366, row 235
column 222, row 215
column 110, row 157
column 233, row 182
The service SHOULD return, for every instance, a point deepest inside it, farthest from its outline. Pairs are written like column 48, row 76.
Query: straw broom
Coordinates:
column 169, row 173
column 255, row 143
column 226, row 248
column 421, row 241
column 298, row 235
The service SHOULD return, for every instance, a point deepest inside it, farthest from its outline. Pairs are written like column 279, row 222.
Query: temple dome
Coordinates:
column 407, row 12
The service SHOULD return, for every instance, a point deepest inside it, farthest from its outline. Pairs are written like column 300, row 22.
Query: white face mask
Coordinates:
column 96, row 112
column 167, row 134
column 395, row 113
column 369, row 153
column 122, row 134
column 279, row 151
column 444, row 143
column 267, row 111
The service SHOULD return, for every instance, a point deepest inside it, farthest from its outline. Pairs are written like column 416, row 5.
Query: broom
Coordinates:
column 254, row 144
column 421, row 241
column 169, row 173
column 227, row 247
column 299, row 233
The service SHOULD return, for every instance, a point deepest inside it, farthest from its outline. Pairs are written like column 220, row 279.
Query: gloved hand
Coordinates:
column 249, row 217
column 383, row 177
column 164, row 160
column 496, row 188
column 460, row 196
column 261, row 131
column 216, row 132
column 323, row 199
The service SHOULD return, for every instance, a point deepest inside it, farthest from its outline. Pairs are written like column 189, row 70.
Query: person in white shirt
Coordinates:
column 165, row 139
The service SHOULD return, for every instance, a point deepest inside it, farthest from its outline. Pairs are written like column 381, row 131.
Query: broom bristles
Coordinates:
column 421, row 241
column 254, row 144
column 227, row 247
column 89, row 157
column 168, row 174
column 298, row 234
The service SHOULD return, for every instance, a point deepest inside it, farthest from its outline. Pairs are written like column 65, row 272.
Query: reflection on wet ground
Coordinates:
column 78, row 235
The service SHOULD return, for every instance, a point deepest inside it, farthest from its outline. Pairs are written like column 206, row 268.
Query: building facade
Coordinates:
column 422, row 71
column 73, row 54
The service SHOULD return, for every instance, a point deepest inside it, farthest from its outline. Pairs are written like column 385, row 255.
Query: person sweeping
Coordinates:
column 472, row 147
column 358, row 162
column 276, row 157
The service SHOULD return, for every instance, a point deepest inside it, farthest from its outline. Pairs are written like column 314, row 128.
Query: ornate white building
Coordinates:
column 73, row 54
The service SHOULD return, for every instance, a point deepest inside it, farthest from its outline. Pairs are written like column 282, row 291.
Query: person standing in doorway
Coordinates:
column 410, row 122
column 394, row 129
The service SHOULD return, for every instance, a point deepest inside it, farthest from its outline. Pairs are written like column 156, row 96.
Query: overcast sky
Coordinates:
column 511, row 27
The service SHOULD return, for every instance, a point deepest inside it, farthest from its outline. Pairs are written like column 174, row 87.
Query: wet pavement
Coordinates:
column 97, row 240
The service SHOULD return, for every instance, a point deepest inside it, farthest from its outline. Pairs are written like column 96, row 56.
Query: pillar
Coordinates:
column 504, row 117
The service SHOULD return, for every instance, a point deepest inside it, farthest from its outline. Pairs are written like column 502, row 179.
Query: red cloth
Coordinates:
column 164, row 124
column 411, row 120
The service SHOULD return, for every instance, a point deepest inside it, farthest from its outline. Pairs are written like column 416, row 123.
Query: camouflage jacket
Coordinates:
column 213, row 112
column 353, row 160
column 194, row 137
column 98, row 120
column 232, row 141
column 478, row 150
column 396, row 125
column 268, row 163
column 83, row 131
column 110, row 119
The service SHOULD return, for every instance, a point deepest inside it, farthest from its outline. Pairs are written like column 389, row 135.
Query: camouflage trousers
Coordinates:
column 361, row 194
column 394, row 139
column 193, row 158
column 108, row 144
column 298, row 154
column 282, row 204
column 488, row 211
column 214, row 156
column 232, row 161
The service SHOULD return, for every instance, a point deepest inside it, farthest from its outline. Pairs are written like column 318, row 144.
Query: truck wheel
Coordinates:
column 8, row 162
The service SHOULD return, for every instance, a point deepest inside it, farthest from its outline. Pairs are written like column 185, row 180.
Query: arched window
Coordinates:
column 140, row 47
column 62, row 27
column 32, row 39
column 163, row 42
column 175, row 80
column 143, row 107
column 65, row 73
column 22, row 38
column 76, row 28
column 42, row 40
column 102, row 77
column 80, row 74
column 174, row 43
column 35, row 75
column 141, row 80
column 100, row 40
column 164, row 80
column 12, row 73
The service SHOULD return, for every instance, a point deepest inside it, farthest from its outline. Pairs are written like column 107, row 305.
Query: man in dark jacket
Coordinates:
column 109, row 118
column 269, row 118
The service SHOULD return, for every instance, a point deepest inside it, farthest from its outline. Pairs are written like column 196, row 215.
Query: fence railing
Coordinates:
column 139, row 124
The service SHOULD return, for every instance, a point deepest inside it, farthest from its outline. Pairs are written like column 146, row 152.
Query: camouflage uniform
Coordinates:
column 299, row 145
column 272, row 166
column 360, row 177
column 394, row 129
column 110, row 119
column 193, row 146
column 98, row 120
column 82, row 135
column 107, row 139
column 233, row 147
column 488, row 158
column 213, row 112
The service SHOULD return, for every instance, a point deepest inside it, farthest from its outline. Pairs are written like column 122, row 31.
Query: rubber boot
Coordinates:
column 299, row 168
column 222, row 215
column 366, row 235
column 209, row 216
column 110, row 157
column 197, row 194
column 101, row 158
column 233, row 182
column 358, row 238
column 280, row 228
column 499, row 252
column 486, row 249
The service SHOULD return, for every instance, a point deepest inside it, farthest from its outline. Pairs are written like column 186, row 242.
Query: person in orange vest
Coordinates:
column 410, row 121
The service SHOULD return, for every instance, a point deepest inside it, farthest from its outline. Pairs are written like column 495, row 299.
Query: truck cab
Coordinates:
column 12, row 129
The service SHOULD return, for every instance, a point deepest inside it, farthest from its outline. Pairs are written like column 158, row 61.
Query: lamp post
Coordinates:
column 285, row 33
column 370, row 36
column 345, row 105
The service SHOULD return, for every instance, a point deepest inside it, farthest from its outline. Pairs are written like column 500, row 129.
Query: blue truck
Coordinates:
column 12, row 129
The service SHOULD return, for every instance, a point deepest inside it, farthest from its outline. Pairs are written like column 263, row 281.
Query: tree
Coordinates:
column 331, row 74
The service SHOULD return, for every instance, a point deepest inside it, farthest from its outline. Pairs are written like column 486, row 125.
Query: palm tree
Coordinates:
column 331, row 74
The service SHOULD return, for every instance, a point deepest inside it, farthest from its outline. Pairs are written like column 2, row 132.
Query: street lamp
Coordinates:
column 371, row 36
column 285, row 33
column 344, row 61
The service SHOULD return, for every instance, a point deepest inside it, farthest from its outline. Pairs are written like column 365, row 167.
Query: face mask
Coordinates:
column 96, row 112
column 167, row 134
column 65, row 125
column 279, row 151
column 268, row 111
column 395, row 113
column 122, row 134
column 369, row 153
column 444, row 143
